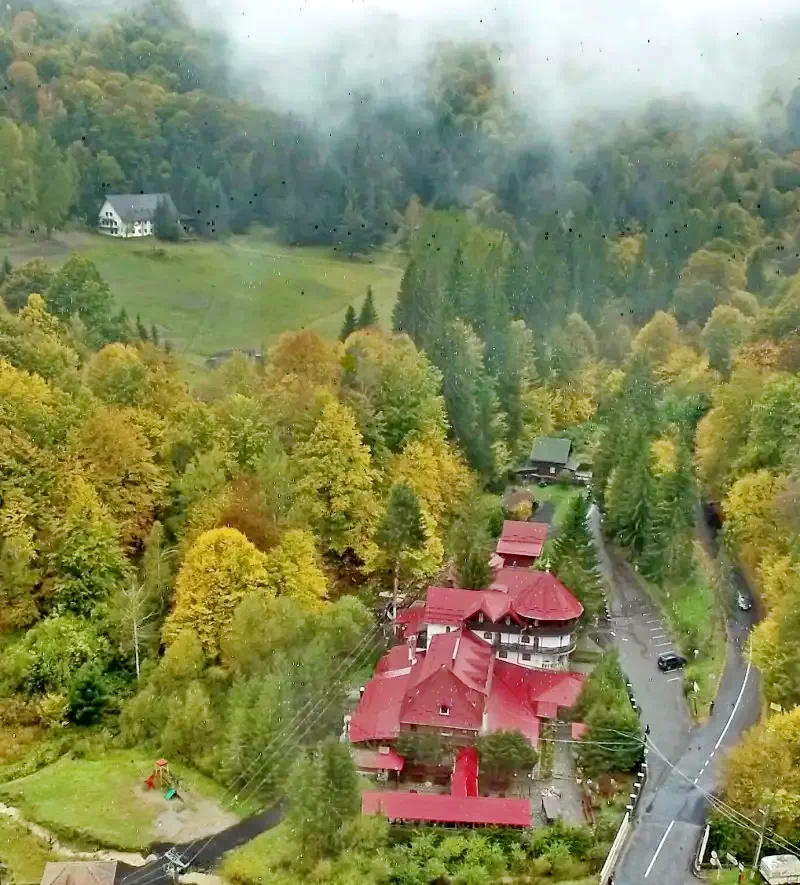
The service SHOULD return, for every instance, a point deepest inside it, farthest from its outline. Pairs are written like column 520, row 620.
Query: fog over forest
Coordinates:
column 559, row 61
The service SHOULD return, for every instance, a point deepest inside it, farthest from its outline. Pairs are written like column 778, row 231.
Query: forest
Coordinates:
column 224, row 542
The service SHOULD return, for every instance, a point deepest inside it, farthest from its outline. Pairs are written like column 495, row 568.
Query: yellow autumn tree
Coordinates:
column 336, row 484
column 116, row 457
column 218, row 571
column 664, row 453
column 763, row 770
column 777, row 576
column 294, row 569
column 439, row 476
column 750, row 518
column 658, row 338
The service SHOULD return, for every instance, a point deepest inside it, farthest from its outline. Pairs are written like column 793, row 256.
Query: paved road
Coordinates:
column 202, row 854
column 683, row 760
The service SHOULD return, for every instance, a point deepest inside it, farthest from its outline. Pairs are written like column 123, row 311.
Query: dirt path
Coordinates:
column 131, row 858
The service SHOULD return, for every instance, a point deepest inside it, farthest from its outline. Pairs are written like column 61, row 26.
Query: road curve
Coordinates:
column 684, row 759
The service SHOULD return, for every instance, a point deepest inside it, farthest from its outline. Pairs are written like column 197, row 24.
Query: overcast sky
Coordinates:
column 577, row 54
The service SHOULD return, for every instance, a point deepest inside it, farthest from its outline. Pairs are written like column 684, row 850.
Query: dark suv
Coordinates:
column 670, row 661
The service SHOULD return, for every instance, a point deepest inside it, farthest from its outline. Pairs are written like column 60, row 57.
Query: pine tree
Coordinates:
column 369, row 315
column 5, row 270
column 154, row 334
column 349, row 325
column 141, row 329
column 401, row 529
column 573, row 557
column 87, row 696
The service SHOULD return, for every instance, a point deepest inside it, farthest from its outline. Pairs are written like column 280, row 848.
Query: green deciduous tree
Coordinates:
column 87, row 563
column 505, row 753
column 55, row 184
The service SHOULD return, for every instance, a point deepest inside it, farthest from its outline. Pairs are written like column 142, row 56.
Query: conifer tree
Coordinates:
column 349, row 325
column 369, row 315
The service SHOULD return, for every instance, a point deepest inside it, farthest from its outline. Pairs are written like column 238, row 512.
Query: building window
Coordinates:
column 508, row 621
column 446, row 629
column 552, row 470
column 526, row 656
column 444, row 710
column 487, row 635
column 480, row 617
column 503, row 653
column 525, row 638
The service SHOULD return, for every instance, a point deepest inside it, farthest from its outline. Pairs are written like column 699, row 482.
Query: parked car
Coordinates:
column 744, row 602
column 670, row 660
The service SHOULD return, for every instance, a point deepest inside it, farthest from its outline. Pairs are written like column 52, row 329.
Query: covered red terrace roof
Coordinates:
column 376, row 760
column 522, row 538
column 377, row 716
column 465, row 773
column 411, row 619
column 448, row 809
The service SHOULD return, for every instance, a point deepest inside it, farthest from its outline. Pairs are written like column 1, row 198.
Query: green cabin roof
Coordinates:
column 551, row 449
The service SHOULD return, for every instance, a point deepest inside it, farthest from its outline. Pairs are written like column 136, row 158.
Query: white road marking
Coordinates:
column 612, row 633
column 659, row 644
column 660, row 846
column 695, row 781
column 656, row 629
column 653, row 622
column 675, row 679
column 735, row 707
column 712, row 755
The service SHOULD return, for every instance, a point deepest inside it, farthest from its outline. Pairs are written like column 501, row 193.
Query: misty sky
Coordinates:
column 568, row 55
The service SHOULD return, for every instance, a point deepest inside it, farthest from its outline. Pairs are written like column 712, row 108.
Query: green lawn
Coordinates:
column 99, row 802
column 559, row 496
column 23, row 854
column 209, row 296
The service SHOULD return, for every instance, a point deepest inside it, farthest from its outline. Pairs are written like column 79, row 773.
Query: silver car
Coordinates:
column 743, row 602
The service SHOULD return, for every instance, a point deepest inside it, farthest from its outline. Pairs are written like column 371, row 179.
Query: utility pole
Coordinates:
column 760, row 838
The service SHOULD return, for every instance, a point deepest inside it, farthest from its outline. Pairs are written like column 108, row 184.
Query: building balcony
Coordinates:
column 565, row 648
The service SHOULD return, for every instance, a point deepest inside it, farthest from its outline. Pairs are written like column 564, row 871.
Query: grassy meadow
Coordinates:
column 241, row 293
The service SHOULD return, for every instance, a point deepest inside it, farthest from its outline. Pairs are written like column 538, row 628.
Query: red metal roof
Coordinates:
column 453, row 676
column 508, row 710
column 540, row 690
column 522, row 538
column 465, row 773
column 377, row 716
column 547, row 599
column 448, row 809
column 411, row 619
column 529, row 594
column 375, row 760
column 453, row 605
column 396, row 661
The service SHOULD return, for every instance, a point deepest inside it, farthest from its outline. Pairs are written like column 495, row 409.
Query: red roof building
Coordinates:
column 438, row 809
column 521, row 543
column 459, row 687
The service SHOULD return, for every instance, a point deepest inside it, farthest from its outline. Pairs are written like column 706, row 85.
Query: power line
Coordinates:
column 283, row 743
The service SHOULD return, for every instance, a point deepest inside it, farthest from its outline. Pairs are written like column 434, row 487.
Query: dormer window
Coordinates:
column 508, row 620
column 444, row 710
column 480, row 617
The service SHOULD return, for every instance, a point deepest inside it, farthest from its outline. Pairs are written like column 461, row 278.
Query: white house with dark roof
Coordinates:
column 132, row 215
